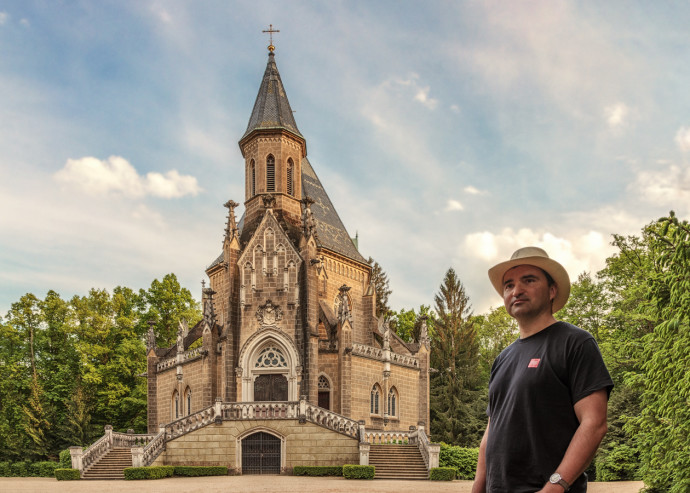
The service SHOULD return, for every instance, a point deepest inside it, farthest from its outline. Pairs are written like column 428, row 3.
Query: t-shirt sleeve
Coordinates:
column 588, row 372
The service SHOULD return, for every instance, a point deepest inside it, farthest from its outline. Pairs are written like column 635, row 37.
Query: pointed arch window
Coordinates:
column 188, row 401
column 393, row 402
column 175, row 411
column 374, row 399
column 270, row 173
column 290, row 168
column 252, row 171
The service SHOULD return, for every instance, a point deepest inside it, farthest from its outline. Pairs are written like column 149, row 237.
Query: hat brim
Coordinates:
column 555, row 270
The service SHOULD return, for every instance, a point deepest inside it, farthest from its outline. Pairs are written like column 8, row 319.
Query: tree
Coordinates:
column 379, row 279
column 495, row 331
column 456, row 396
column 407, row 324
column 663, row 425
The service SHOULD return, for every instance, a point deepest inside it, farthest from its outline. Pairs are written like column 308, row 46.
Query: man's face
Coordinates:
column 526, row 292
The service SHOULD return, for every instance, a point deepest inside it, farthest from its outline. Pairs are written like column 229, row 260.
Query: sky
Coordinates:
column 446, row 133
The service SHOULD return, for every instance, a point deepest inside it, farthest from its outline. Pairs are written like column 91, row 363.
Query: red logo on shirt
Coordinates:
column 533, row 363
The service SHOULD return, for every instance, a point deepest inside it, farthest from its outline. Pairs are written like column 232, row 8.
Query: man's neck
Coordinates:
column 530, row 326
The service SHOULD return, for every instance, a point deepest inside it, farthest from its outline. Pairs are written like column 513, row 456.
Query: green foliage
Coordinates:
column 662, row 428
column 458, row 396
column 462, row 460
column 151, row 472
column 65, row 459
column 67, row 474
column 619, row 464
column 442, row 474
column 317, row 471
column 379, row 279
column 67, row 368
column 44, row 469
column 407, row 324
column 201, row 471
column 495, row 331
column 352, row 471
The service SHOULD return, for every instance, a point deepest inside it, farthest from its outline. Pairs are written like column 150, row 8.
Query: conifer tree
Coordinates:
column 380, row 281
column 456, row 405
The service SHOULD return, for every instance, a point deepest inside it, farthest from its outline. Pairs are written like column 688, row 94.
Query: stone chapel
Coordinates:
column 289, row 327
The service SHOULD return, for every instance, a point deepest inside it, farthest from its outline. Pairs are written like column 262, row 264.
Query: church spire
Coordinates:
column 272, row 109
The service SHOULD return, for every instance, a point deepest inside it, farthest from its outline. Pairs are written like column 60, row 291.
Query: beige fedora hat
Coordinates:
column 539, row 258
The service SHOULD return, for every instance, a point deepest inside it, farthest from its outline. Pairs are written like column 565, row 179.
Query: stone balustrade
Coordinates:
column 152, row 449
column 377, row 437
column 190, row 423
column 186, row 356
column 83, row 460
column 260, row 410
column 378, row 354
column 430, row 451
column 330, row 420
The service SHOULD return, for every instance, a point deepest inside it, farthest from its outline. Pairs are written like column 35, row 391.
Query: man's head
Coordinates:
column 549, row 270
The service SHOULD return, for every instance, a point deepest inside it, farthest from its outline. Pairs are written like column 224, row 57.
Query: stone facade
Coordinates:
column 290, row 312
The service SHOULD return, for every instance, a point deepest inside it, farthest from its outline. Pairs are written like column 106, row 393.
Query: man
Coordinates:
column 548, row 390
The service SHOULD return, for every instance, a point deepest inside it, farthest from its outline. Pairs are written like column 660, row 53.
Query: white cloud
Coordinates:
column 423, row 97
column 117, row 175
column 474, row 191
column 453, row 205
column 578, row 252
column 616, row 115
column 3, row 17
column 670, row 187
column 25, row 22
column 683, row 139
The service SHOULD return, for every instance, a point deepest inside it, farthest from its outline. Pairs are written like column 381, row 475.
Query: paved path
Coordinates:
column 262, row 484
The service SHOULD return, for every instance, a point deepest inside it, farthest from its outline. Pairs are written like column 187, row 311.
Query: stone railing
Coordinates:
column 144, row 456
column 329, row 419
column 260, row 410
column 192, row 422
column 430, row 451
column 84, row 459
column 377, row 437
column 186, row 356
column 378, row 354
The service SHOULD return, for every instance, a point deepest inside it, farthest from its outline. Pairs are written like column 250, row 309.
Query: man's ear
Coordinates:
column 553, row 291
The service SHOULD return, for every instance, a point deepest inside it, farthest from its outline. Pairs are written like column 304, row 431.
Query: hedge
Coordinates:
column 67, row 474
column 152, row 472
column 200, row 471
column 26, row 469
column 352, row 471
column 619, row 464
column 317, row 471
column 442, row 474
column 463, row 460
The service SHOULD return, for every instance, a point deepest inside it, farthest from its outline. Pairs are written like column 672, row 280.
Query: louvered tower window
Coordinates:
column 252, row 172
column 270, row 174
column 290, row 187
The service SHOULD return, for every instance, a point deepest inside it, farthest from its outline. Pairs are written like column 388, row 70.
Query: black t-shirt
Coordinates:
column 534, row 384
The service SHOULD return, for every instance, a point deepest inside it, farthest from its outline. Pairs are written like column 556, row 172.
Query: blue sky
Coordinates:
column 446, row 133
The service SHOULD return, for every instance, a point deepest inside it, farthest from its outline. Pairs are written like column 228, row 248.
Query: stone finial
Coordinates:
column 424, row 331
column 308, row 221
column 209, row 312
column 344, row 313
column 182, row 330
column 151, row 337
column 231, row 227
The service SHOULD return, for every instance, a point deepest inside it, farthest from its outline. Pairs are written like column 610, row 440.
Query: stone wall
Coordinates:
column 303, row 444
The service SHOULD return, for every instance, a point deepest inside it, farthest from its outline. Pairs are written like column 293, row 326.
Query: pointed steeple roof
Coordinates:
column 271, row 108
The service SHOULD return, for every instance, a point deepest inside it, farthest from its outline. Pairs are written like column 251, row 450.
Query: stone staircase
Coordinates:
column 397, row 462
column 111, row 465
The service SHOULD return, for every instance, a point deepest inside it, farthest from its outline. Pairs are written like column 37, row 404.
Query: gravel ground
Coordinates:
column 262, row 484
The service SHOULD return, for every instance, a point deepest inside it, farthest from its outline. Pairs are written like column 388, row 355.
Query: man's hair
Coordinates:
column 549, row 279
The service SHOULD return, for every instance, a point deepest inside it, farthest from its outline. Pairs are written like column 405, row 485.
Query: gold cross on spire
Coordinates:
column 270, row 32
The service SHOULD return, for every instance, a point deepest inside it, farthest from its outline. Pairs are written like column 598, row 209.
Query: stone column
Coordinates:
column 76, row 453
column 434, row 450
column 137, row 456
column 362, row 430
column 364, row 453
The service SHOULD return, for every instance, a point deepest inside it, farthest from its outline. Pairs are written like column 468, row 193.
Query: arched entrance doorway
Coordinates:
column 261, row 454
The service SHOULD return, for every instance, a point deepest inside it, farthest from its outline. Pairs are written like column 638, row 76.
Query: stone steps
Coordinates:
column 397, row 462
column 111, row 465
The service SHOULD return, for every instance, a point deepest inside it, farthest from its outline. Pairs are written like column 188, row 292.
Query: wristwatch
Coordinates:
column 557, row 479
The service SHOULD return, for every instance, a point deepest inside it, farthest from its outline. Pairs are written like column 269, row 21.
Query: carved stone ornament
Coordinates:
column 269, row 314
column 238, row 371
column 269, row 201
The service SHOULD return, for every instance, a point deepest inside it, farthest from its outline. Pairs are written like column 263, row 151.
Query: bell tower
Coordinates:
column 273, row 149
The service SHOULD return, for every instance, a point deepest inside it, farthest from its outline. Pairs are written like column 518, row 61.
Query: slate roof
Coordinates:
column 271, row 108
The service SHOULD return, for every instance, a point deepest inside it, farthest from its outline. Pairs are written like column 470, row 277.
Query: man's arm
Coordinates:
column 591, row 413
column 479, row 485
